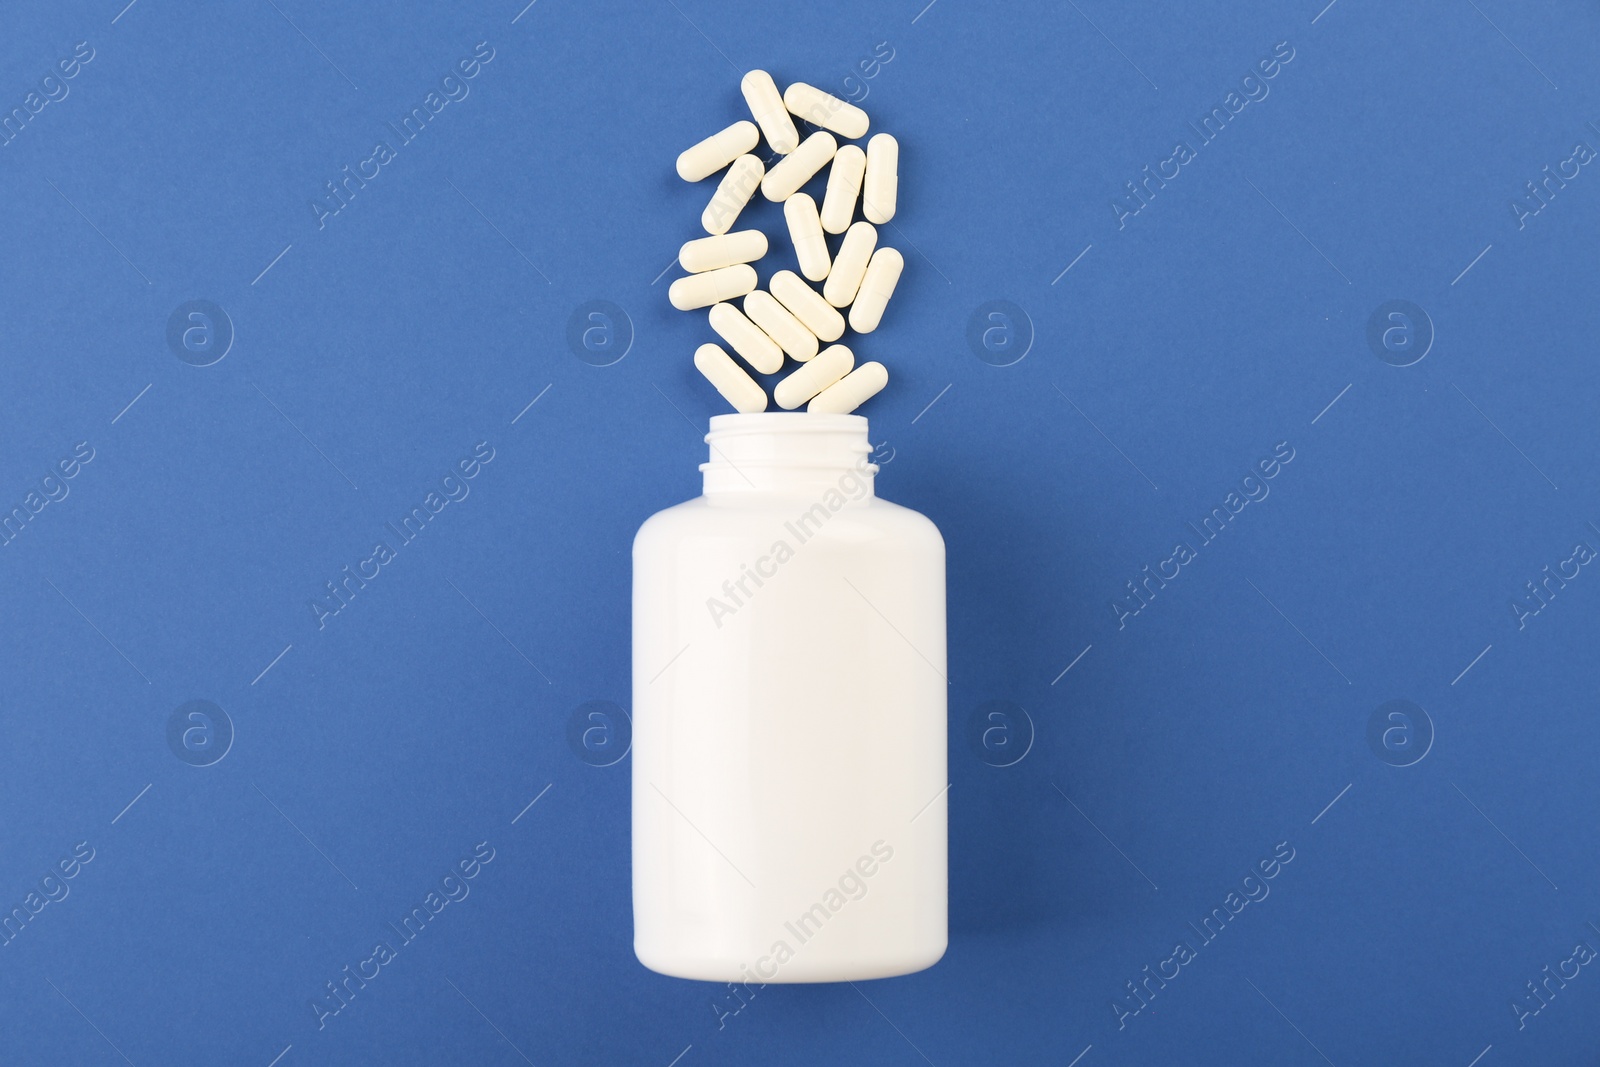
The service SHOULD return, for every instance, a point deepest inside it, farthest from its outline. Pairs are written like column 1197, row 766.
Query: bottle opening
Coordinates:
column 779, row 451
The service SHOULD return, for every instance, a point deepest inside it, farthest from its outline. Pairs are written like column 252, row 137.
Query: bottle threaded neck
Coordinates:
column 787, row 452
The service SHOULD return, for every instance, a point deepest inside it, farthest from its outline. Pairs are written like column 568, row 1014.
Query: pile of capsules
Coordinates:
column 790, row 316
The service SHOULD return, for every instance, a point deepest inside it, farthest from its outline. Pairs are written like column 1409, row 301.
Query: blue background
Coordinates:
column 374, row 349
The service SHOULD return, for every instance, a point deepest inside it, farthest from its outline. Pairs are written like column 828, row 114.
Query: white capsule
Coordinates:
column 805, row 230
column 825, row 110
column 736, row 387
column 831, row 364
column 851, row 391
column 761, row 93
column 733, row 193
column 844, row 183
column 882, row 186
column 780, row 325
column 877, row 286
column 723, row 250
column 807, row 305
column 703, row 290
column 850, row 264
column 746, row 338
column 798, row 167
column 717, row 151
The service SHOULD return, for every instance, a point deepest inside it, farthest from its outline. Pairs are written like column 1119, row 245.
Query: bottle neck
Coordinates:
column 789, row 453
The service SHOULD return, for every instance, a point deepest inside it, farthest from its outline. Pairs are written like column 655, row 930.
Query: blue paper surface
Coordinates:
column 1245, row 356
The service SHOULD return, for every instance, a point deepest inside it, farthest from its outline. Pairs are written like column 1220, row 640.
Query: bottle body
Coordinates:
column 789, row 710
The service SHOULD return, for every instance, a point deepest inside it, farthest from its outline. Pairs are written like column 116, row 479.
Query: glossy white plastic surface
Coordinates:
column 789, row 716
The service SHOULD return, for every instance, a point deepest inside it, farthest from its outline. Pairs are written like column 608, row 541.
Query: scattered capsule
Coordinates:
column 851, row 391
column 717, row 151
column 850, row 264
column 825, row 110
column 831, row 364
column 877, row 286
column 746, row 338
column 882, row 185
column 766, row 106
column 798, row 167
column 736, row 387
column 805, row 230
column 733, row 193
column 844, row 184
column 807, row 305
column 722, row 250
column 703, row 290
column 780, row 325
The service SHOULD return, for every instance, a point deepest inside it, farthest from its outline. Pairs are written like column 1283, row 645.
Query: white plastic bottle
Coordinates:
column 789, row 707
